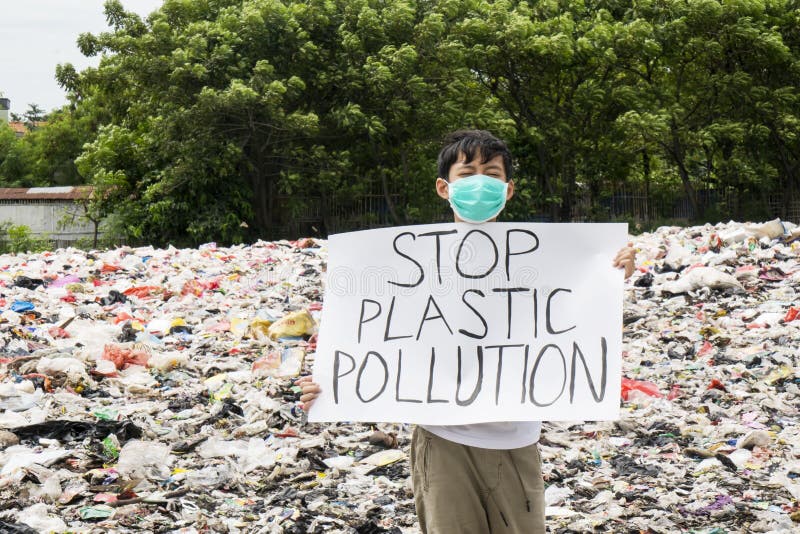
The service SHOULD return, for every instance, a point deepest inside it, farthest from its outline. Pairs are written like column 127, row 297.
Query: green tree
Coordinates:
column 33, row 115
column 712, row 69
column 228, row 106
column 7, row 141
column 46, row 155
column 228, row 119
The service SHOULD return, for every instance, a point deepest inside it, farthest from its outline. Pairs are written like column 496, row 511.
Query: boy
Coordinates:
column 478, row 478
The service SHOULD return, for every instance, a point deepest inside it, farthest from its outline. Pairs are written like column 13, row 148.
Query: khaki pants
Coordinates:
column 467, row 490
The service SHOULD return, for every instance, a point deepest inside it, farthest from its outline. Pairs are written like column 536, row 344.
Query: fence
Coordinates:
column 633, row 203
column 318, row 216
column 56, row 221
column 321, row 216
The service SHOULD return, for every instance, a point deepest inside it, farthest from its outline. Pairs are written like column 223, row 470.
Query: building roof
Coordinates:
column 46, row 193
column 20, row 128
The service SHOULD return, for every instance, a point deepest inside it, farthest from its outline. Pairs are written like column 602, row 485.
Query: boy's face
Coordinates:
column 463, row 168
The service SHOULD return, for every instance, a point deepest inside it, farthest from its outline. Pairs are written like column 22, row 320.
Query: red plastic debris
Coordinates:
column 648, row 388
column 58, row 333
column 196, row 287
column 124, row 357
column 716, row 384
column 288, row 432
column 791, row 314
column 122, row 317
column 192, row 286
column 705, row 350
column 141, row 291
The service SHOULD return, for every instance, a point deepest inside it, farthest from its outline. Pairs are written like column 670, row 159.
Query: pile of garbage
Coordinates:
column 148, row 389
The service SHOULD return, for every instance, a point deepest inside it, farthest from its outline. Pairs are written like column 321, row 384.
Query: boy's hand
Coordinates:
column 625, row 259
column 311, row 391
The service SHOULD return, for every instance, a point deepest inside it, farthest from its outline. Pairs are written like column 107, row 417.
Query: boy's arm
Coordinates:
column 310, row 391
column 625, row 259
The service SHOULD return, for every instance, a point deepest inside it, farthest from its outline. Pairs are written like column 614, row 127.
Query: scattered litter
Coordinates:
column 710, row 394
column 148, row 389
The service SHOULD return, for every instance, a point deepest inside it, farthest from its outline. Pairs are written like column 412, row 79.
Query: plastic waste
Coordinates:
column 386, row 457
column 164, row 361
column 125, row 356
column 339, row 462
column 113, row 297
column 39, row 518
column 770, row 230
column 144, row 459
column 285, row 363
column 205, row 384
column 702, row 277
column 64, row 281
column 22, row 306
column 19, row 396
column 72, row 367
column 16, row 528
column 643, row 386
column 28, row 283
column 294, row 324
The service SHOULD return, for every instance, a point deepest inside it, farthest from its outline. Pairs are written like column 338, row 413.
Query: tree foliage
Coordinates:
column 46, row 154
column 226, row 119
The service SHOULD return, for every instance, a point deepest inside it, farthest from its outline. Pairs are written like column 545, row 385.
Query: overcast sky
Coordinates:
column 36, row 35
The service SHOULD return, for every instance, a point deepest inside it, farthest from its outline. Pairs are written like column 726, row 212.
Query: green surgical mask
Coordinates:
column 478, row 198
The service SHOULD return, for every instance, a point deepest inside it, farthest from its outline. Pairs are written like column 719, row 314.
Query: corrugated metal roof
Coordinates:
column 46, row 193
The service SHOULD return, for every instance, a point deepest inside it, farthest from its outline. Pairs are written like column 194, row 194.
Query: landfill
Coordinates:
column 146, row 389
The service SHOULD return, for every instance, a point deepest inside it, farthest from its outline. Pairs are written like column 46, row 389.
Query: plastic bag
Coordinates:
column 285, row 363
column 144, row 459
column 701, row 277
column 124, row 357
column 294, row 324
column 643, row 386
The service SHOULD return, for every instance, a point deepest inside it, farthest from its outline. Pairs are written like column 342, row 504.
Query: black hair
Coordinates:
column 471, row 142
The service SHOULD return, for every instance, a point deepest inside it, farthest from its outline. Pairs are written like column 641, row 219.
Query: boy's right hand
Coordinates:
column 310, row 389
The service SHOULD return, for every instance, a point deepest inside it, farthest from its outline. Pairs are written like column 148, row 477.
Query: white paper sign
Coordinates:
column 458, row 323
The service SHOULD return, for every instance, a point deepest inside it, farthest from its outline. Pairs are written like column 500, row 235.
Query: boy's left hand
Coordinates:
column 625, row 259
column 311, row 391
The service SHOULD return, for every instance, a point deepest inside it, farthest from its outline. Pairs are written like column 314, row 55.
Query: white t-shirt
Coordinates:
column 503, row 435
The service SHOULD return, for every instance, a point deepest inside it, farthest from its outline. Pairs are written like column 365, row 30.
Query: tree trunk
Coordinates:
column 261, row 207
column 688, row 188
column 272, row 204
column 545, row 181
column 387, row 197
column 567, row 201
column 324, row 212
column 691, row 194
column 646, row 173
